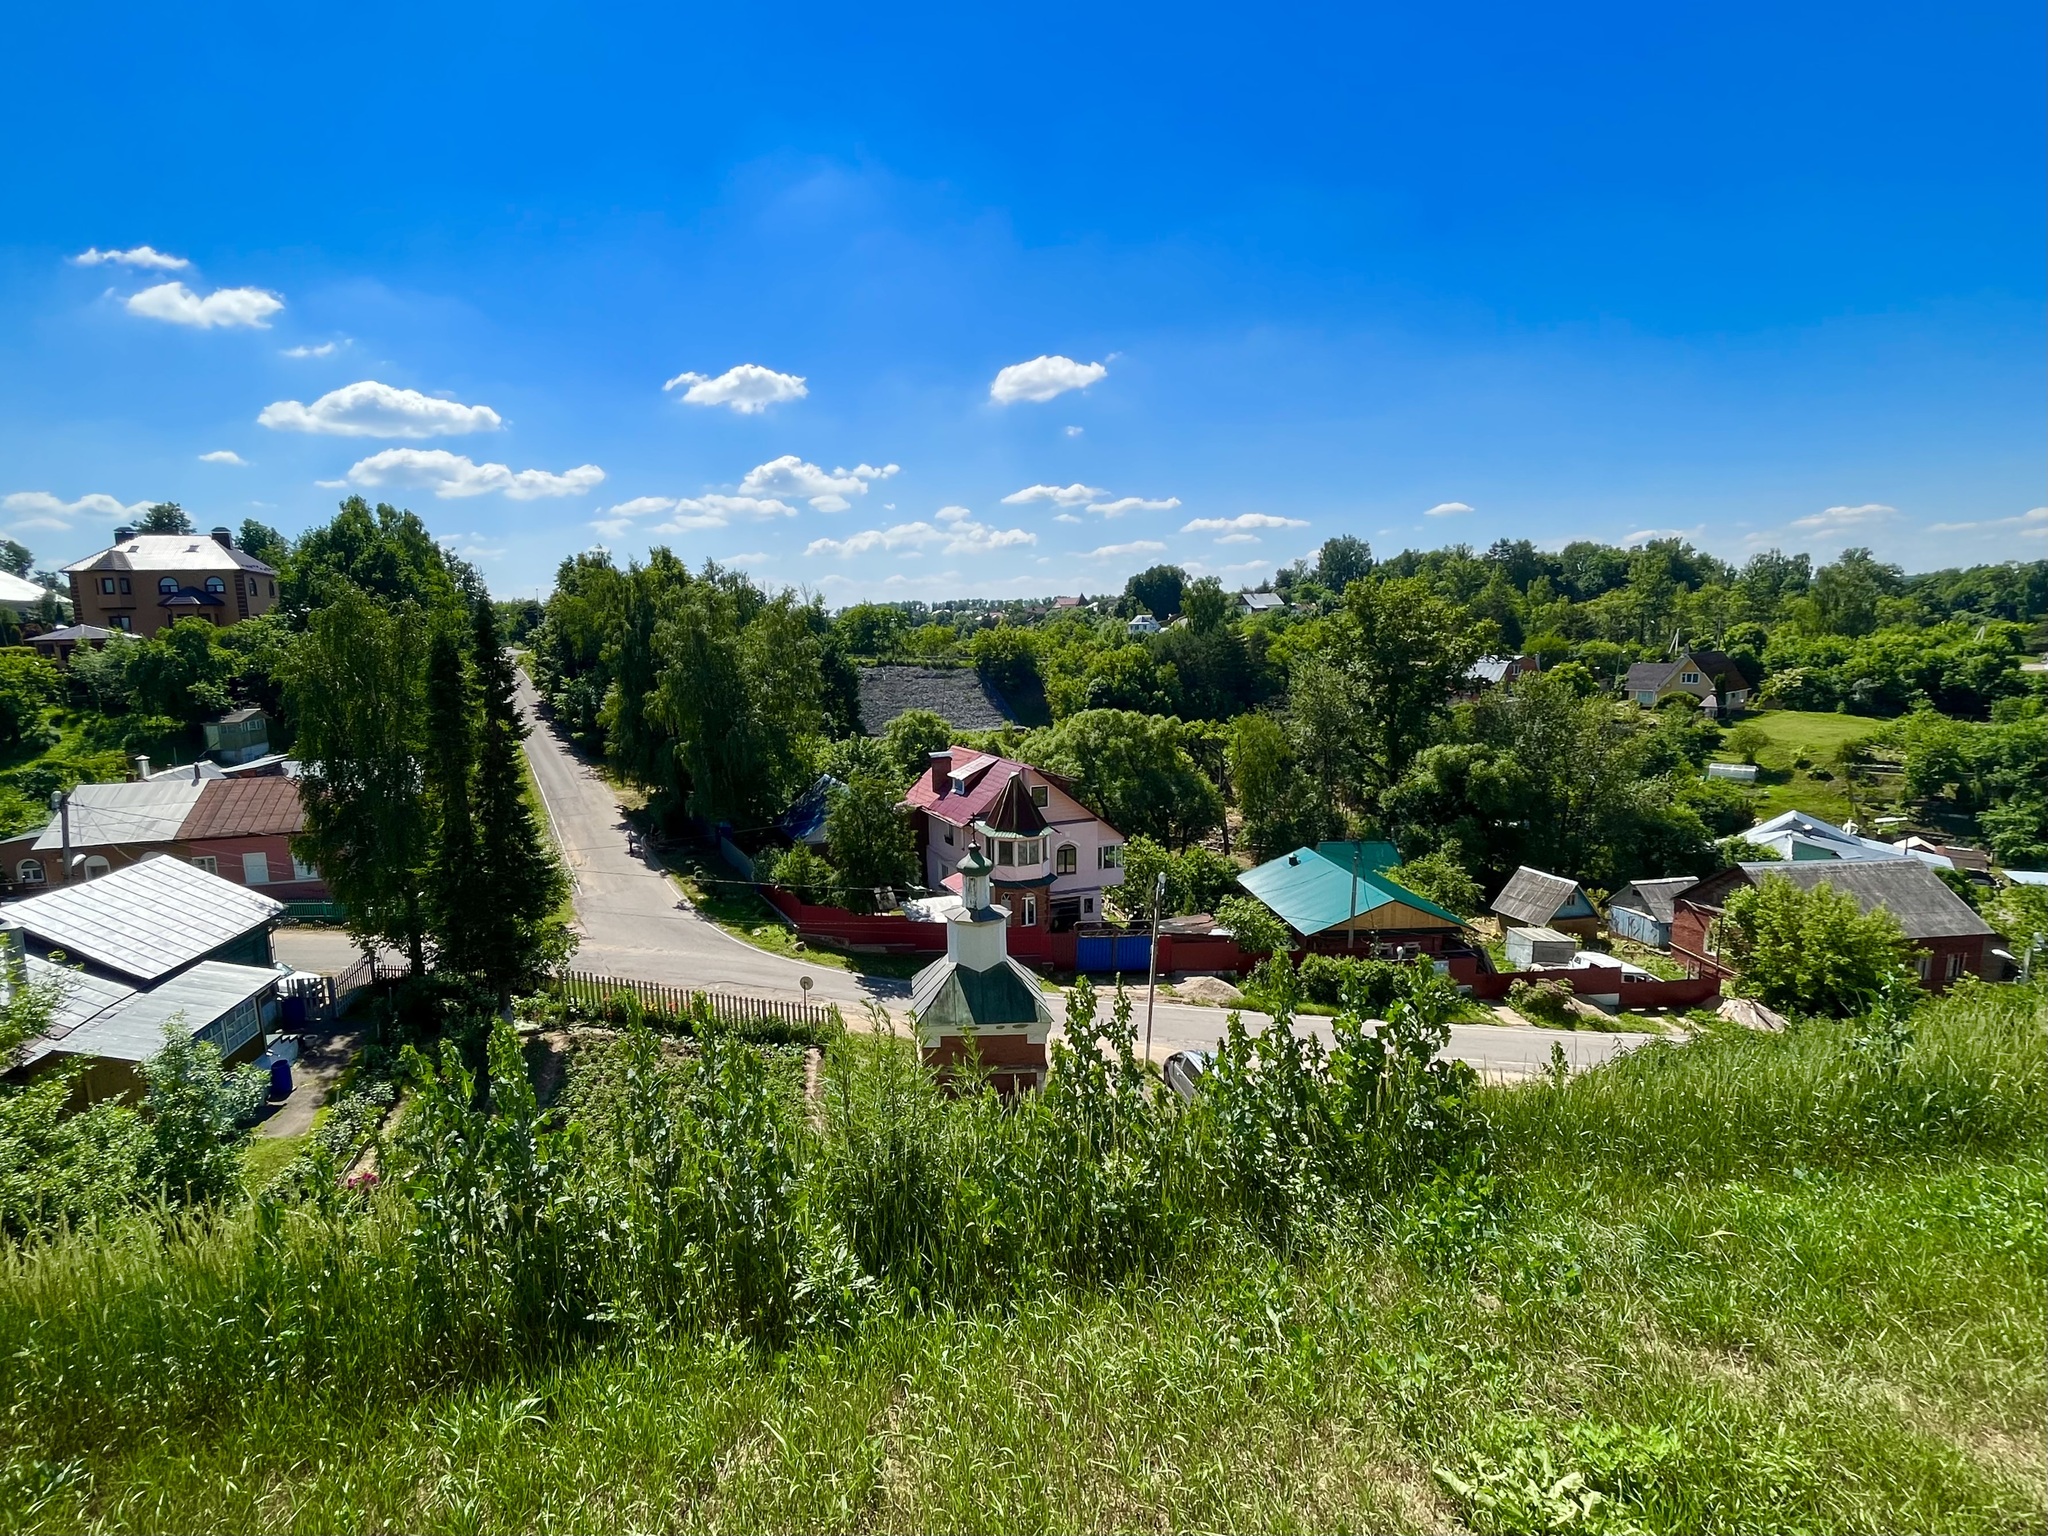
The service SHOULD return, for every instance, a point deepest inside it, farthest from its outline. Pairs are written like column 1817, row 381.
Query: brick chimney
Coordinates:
column 224, row 537
column 123, row 535
column 942, row 769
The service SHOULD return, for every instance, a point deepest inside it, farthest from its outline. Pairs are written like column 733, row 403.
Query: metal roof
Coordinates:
column 15, row 590
column 170, row 553
column 1534, row 896
column 145, row 920
column 245, row 808
column 134, row 1030
column 1311, row 893
column 1373, row 857
column 1908, row 889
column 947, row 995
column 81, row 998
column 105, row 815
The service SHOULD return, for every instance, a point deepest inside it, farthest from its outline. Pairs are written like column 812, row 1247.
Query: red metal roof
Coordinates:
column 985, row 778
column 262, row 807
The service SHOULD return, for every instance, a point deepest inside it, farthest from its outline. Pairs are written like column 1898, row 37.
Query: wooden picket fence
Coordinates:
column 592, row 991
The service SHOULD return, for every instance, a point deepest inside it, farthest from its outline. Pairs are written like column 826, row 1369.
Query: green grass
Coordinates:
column 718, row 891
column 265, row 1155
column 1781, row 786
column 1756, row 1283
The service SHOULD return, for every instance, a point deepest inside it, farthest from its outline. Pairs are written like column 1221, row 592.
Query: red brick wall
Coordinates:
column 226, row 851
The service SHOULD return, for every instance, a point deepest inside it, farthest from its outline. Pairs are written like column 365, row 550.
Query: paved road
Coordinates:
column 636, row 924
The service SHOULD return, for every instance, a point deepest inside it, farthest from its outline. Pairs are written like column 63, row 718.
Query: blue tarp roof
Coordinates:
column 1312, row 892
column 804, row 822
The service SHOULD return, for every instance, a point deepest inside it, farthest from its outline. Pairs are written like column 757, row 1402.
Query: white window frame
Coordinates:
column 30, row 872
column 252, row 863
column 95, row 865
column 1688, row 677
column 1110, row 856
column 207, row 862
column 301, row 870
column 1030, row 911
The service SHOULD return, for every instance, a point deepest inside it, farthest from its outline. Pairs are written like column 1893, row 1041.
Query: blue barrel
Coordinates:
column 280, row 1079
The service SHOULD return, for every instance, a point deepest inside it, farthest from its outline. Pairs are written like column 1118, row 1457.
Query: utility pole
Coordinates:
column 1351, row 929
column 60, row 801
column 1152, row 960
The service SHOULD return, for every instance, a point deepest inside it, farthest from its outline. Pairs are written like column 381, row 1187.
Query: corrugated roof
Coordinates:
column 107, row 815
column 170, row 553
column 146, row 920
column 81, row 998
column 1652, row 896
column 245, row 808
column 1908, row 889
column 1311, row 893
column 947, row 995
column 134, row 1030
column 1373, row 857
column 1534, row 896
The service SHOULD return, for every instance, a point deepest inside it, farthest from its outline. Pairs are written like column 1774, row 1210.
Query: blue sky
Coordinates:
column 1760, row 275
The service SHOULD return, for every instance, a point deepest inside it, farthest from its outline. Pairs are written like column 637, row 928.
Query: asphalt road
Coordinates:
column 636, row 924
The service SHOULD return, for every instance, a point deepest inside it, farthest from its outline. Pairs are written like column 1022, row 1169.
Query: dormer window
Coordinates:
column 1040, row 795
column 167, row 585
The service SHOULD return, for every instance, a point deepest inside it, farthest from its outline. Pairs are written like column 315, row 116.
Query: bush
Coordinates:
column 1811, row 951
column 1544, row 1002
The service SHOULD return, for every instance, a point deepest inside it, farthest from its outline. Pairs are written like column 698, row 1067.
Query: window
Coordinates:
column 255, row 869
column 273, row 588
column 301, row 870
column 949, row 837
column 1711, row 943
column 1040, row 795
column 1646, row 696
column 1688, row 677
column 29, row 872
column 1030, row 911
column 207, row 862
column 125, row 587
column 107, row 585
column 1953, row 968
column 1110, row 856
column 168, row 585
column 1069, row 857
column 95, row 866
column 216, row 586
column 1006, row 852
column 121, row 621
column 1921, row 963
column 1087, row 903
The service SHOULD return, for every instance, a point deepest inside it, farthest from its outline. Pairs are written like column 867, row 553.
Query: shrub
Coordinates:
column 1811, row 951
column 1544, row 1002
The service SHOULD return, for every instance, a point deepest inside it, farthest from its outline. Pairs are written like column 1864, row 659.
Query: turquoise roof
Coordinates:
column 1373, row 858
column 1311, row 892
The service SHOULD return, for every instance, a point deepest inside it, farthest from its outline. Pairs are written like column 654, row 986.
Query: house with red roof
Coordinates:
column 1051, row 857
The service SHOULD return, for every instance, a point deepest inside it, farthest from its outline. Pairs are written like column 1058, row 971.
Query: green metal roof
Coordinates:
column 1373, row 858
column 1311, row 892
column 946, row 995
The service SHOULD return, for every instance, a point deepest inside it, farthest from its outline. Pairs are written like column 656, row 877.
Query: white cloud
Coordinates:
column 1239, row 538
column 138, row 256
column 1042, row 378
column 222, row 456
column 370, row 409
column 1066, row 517
column 39, row 509
column 2026, row 520
column 1125, row 504
column 953, row 514
column 748, row 389
column 1072, row 431
column 1242, row 523
column 451, row 475
column 825, row 491
column 1138, row 547
column 179, row 305
column 1059, row 495
column 1447, row 509
column 959, row 536
column 692, row 514
column 1644, row 535
column 1838, row 519
column 325, row 349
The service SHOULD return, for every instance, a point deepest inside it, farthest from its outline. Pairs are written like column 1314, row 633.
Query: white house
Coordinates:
column 1051, row 857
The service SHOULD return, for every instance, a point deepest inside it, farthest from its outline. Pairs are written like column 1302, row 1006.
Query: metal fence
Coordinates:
column 593, row 991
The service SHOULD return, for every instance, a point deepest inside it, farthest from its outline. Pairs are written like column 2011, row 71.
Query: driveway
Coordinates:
column 636, row 924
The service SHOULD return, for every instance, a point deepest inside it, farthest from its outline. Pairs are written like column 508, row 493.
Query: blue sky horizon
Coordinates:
column 927, row 305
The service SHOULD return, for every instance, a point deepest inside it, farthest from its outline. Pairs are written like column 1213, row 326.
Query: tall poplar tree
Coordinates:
column 449, row 763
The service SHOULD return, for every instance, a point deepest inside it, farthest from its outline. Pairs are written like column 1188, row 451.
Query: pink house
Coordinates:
column 1051, row 857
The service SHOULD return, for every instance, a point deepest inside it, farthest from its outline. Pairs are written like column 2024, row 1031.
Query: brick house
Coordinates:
column 1052, row 857
column 237, row 828
column 1951, row 940
column 144, row 582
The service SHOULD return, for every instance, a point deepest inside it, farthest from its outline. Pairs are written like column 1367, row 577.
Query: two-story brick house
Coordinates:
column 1052, row 857
column 144, row 582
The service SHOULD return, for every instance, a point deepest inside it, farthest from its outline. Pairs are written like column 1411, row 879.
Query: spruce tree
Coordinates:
column 518, row 882
column 453, row 873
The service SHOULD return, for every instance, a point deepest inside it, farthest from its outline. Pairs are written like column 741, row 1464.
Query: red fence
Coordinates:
column 890, row 930
column 1601, row 981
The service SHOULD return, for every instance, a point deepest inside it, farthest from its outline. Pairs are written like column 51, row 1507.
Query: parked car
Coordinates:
column 1184, row 1071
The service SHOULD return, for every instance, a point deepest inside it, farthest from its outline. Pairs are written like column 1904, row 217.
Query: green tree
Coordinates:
column 182, row 672
column 15, row 558
column 911, row 739
column 1746, row 740
column 1253, row 925
column 454, row 879
column 1845, row 595
column 1403, row 650
column 869, row 840
column 264, row 542
column 1341, row 561
column 28, row 686
column 385, row 552
column 1812, row 950
column 1206, row 605
column 354, row 684
column 195, row 1142
column 1157, row 590
column 518, row 880
column 1281, row 807
column 1441, row 878
column 800, row 870
column 1133, row 771
column 164, row 517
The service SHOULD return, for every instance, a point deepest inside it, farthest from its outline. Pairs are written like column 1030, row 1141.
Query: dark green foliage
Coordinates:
column 803, row 871
column 164, row 517
column 1441, row 877
column 28, row 686
column 1133, row 770
column 196, row 1117
column 386, row 553
column 1812, row 950
column 1252, row 923
column 869, row 840
column 1157, row 591
column 264, row 542
column 455, row 892
column 911, row 738
column 1341, row 561
column 16, row 558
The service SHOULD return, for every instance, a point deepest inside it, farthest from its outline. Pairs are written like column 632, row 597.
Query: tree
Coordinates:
column 1747, row 740
column 869, row 840
column 15, row 558
column 28, row 685
column 911, row 739
column 1157, row 590
column 454, row 885
column 385, row 552
column 181, row 672
column 1281, row 805
column 354, row 685
column 264, row 542
column 1341, row 561
column 1253, row 925
column 1206, row 605
column 1813, row 950
column 801, row 871
column 1440, row 878
column 1133, row 771
column 164, row 517
column 193, row 1109
column 1403, row 650
column 519, row 884
column 1845, row 594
